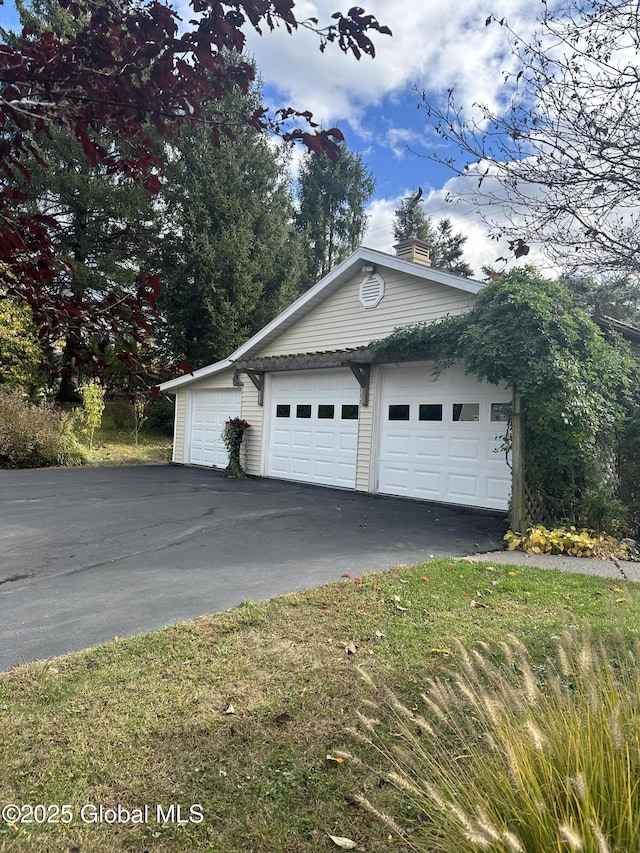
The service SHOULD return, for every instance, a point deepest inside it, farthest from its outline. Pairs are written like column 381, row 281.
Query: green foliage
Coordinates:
column 565, row 540
column 331, row 218
column 34, row 436
column 629, row 470
column 576, row 387
column 20, row 349
column 92, row 408
column 230, row 261
column 499, row 755
column 232, row 436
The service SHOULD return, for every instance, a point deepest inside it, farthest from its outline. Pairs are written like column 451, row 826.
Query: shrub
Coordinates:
column 34, row 436
column 498, row 758
column 92, row 408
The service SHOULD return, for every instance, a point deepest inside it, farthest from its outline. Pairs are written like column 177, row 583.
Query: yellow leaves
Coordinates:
column 562, row 540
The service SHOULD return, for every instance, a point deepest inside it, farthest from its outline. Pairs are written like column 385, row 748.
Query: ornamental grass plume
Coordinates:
column 496, row 758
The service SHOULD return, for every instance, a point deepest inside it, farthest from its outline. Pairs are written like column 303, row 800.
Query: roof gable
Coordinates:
column 263, row 341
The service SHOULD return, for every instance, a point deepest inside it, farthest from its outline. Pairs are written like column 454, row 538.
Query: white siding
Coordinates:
column 253, row 438
column 341, row 321
column 179, row 425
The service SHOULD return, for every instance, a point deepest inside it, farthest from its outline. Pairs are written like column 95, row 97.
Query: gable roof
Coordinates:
column 319, row 292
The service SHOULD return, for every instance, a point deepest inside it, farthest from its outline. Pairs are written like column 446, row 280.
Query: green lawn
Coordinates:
column 243, row 714
column 112, row 446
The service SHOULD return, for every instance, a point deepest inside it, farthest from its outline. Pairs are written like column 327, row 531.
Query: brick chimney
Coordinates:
column 414, row 250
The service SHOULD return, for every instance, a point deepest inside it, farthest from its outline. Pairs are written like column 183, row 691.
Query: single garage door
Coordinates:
column 313, row 434
column 440, row 440
column 206, row 413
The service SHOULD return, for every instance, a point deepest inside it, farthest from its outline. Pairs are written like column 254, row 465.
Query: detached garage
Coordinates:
column 325, row 409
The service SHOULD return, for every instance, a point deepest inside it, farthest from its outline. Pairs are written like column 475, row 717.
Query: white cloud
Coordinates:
column 479, row 250
column 434, row 45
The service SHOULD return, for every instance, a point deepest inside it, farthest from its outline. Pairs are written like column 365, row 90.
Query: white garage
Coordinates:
column 313, row 427
column 440, row 439
column 207, row 411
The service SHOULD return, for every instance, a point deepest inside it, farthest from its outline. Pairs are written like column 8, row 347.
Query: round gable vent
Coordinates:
column 371, row 290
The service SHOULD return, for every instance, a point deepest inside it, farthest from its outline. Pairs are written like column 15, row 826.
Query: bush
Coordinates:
column 498, row 758
column 629, row 471
column 35, row 436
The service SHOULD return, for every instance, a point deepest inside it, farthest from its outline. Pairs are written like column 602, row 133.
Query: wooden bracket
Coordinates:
column 257, row 377
column 362, row 372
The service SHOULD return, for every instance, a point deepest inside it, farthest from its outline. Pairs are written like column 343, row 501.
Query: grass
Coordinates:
column 113, row 446
column 245, row 712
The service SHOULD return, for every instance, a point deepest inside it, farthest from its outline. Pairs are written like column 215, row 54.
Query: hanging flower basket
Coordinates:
column 232, row 435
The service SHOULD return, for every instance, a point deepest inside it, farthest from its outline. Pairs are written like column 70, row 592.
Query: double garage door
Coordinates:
column 440, row 439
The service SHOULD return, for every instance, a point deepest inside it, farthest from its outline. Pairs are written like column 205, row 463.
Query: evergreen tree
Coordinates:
column 230, row 258
column 445, row 246
column 331, row 216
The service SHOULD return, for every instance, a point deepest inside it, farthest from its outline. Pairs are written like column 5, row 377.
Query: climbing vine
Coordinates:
column 577, row 387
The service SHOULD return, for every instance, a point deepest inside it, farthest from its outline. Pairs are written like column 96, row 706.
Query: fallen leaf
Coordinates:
column 323, row 607
column 377, row 586
column 379, row 634
column 401, row 609
column 401, row 580
column 444, row 652
column 512, row 574
column 351, row 649
column 229, row 709
column 339, row 508
column 343, row 843
column 335, row 759
column 425, row 578
column 397, row 597
column 358, row 580
column 495, row 583
column 283, row 718
column 346, row 575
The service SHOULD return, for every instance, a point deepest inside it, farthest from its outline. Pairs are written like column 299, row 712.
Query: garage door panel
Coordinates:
column 315, row 444
column 462, row 486
column 444, row 448
column 464, row 449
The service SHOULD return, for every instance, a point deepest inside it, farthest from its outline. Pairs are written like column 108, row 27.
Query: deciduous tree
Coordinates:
column 126, row 68
column 561, row 160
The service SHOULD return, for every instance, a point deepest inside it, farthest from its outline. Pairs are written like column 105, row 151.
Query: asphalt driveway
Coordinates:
column 92, row 553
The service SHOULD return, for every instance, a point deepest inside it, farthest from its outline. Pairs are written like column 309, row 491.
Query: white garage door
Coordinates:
column 439, row 440
column 314, row 427
column 207, row 413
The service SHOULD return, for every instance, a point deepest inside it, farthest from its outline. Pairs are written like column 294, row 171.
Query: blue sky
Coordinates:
column 435, row 45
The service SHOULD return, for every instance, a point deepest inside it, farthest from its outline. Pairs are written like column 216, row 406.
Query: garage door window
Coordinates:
column 283, row 410
column 500, row 412
column 303, row 411
column 349, row 412
column 326, row 411
column 466, row 411
column 399, row 412
column 430, row 412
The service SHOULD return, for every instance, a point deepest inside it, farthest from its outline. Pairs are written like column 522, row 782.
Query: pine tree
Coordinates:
column 331, row 217
column 230, row 258
column 445, row 246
